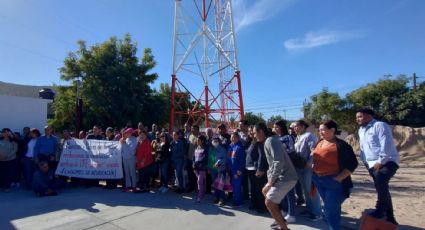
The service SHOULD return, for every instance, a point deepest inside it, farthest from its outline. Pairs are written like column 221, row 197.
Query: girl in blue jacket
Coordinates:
column 237, row 163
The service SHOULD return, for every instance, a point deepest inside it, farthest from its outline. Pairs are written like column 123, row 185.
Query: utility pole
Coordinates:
column 78, row 108
column 414, row 81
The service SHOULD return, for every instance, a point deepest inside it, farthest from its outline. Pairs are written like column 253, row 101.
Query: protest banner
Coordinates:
column 90, row 159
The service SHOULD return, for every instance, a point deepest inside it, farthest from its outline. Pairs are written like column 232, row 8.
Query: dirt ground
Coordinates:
column 407, row 189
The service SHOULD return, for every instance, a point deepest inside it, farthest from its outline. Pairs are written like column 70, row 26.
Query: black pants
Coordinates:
column 381, row 178
column 208, row 181
column 145, row 175
column 193, row 180
column 17, row 170
column 257, row 184
column 6, row 173
column 245, row 185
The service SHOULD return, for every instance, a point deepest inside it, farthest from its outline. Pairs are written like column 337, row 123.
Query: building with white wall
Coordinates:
column 18, row 112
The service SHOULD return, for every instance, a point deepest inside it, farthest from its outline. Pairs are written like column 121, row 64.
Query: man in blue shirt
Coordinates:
column 378, row 153
column 46, row 146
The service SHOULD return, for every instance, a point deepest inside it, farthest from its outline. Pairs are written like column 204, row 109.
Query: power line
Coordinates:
column 62, row 18
column 273, row 107
column 36, row 53
column 37, row 31
column 265, row 101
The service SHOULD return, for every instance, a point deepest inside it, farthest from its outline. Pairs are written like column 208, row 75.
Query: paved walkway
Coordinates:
column 96, row 208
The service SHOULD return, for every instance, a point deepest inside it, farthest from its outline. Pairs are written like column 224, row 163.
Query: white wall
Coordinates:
column 18, row 112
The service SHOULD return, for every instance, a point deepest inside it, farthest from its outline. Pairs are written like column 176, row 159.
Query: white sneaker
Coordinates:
column 290, row 219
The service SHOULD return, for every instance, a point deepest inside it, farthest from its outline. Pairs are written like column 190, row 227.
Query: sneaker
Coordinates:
column 300, row 201
column 290, row 219
column 392, row 220
column 314, row 218
column 261, row 210
column 376, row 214
column 274, row 224
column 221, row 203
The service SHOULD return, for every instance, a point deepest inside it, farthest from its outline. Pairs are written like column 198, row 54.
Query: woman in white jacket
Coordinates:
column 128, row 145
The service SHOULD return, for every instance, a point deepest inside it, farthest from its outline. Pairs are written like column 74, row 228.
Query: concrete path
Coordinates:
column 96, row 208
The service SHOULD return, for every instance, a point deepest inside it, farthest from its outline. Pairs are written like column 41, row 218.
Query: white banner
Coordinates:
column 91, row 159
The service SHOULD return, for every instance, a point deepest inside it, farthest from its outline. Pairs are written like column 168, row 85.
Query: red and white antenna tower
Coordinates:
column 206, row 82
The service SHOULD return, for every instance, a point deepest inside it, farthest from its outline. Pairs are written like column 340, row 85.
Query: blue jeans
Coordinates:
column 179, row 165
column 313, row 202
column 29, row 169
column 332, row 195
column 237, row 191
column 165, row 174
column 53, row 185
column 288, row 203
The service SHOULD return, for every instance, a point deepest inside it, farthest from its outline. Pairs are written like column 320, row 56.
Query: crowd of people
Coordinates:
column 274, row 169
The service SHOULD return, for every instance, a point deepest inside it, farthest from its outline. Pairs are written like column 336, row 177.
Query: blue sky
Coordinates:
column 288, row 49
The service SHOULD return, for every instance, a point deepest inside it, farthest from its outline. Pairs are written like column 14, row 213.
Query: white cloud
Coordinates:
column 261, row 10
column 321, row 38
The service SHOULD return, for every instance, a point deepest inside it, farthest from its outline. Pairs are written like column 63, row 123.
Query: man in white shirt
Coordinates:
column 378, row 153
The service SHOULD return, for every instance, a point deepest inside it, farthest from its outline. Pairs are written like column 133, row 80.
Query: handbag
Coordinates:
column 222, row 182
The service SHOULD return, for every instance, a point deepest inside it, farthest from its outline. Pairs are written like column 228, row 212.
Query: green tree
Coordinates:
column 391, row 99
column 115, row 85
column 411, row 108
column 254, row 118
column 163, row 104
column 274, row 118
column 64, row 107
column 324, row 105
column 328, row 105
column 384, row 96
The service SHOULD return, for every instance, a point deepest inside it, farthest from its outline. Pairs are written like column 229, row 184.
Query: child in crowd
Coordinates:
column 200, row 163
column 237, row 164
